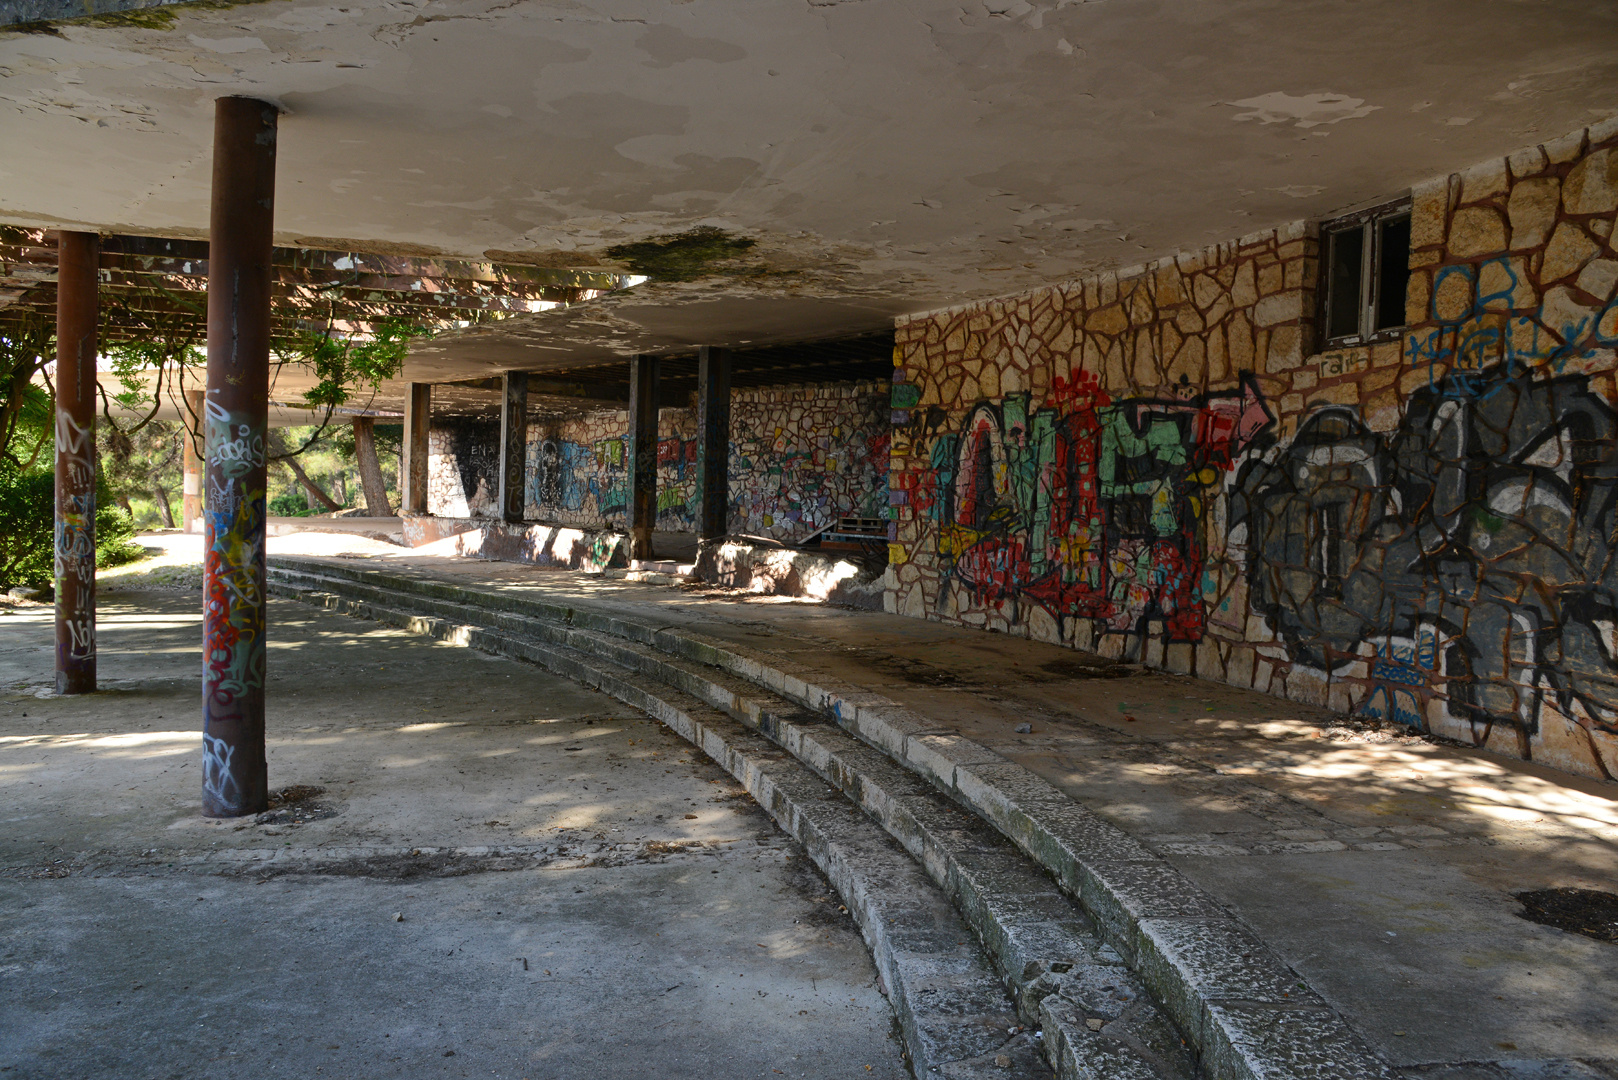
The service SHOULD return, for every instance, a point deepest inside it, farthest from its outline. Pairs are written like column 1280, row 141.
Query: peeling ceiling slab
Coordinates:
column 881, row 157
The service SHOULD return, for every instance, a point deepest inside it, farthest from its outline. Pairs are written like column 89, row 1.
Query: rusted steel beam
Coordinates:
column 713, row 442
column 643, row 403
column 75, row 561
column 413, row 469
column 234, row 775
column 513, row 444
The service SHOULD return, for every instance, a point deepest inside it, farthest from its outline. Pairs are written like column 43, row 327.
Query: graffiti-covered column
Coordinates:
column 413, row 469
column 236, row 412
column 513, row 444
column 191, row 458
column 643, row 397
column 75, row 569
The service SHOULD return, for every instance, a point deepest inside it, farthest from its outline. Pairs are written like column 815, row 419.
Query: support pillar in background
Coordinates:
column 235, row 418
column 513, row 443
column 713, row 442
column 77, row 313
column 643, row 399
column 191, row 503
column 413, row 467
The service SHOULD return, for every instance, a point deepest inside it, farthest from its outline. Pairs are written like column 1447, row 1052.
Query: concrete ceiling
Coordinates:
column 885, row 157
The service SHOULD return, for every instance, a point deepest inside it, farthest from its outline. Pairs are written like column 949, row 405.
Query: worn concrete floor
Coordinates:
column 1382, row 867
column 517, row 878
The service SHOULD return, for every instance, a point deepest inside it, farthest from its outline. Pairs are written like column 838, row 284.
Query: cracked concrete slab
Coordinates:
column 521, row 878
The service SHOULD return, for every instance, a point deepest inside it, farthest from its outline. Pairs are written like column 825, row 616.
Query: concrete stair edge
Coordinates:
column 949, row 1028
column 1239, row 1008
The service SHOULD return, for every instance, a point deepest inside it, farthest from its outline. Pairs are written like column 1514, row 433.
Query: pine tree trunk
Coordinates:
column 277, row 445
column 164, row 510
column 376, row 489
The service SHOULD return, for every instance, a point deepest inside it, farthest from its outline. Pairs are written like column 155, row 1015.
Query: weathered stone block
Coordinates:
column 1476, row 230
column 1107, row 320
column 1591, row 186
column 1532, row 210
column 1453, row 297
column 1599, row 278
column 1565, row 149
column 1526, row 162
column 1566, row 316
column 1271, row 279
column 1279, row 308
column 1285, row 349
column 1483, row 181
column 1504, row 284
column 1570, row 248
column 1429, row 206
column 1243, row 285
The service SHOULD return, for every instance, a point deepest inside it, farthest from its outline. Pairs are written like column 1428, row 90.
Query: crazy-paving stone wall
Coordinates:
column 463, row 468
column 1157, row 465
column 800, row 458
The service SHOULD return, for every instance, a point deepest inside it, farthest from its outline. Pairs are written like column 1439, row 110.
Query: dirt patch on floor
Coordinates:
column 295, row 806
column 1590, row 912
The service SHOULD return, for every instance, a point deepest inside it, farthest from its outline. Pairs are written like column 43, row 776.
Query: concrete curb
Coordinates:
column 1247, row 1015
column 953, row 1012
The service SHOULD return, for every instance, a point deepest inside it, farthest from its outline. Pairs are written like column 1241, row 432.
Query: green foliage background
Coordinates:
column 27, row 505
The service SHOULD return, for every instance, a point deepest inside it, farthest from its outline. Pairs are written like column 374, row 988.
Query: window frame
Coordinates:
column 1368, row 222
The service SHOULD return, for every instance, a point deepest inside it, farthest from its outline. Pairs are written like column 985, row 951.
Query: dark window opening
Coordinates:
column 1366, row 273
column 1392, row 271
column 1345, row 248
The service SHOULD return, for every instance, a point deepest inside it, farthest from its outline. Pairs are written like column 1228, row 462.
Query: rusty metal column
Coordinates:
column 234, row 774
column 713, row 442
column 643, row 398
column 413, row 469
column 191, row 459
column 75, row 571
column 513, row 444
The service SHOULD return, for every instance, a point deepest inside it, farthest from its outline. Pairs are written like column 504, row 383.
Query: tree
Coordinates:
column 27, row 343
column 279, row 452
column 371, row 482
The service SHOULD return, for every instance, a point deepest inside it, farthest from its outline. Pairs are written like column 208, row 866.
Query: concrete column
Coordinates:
column 643, row 398
column 713, row 442
column 513, row 443
column 191, row 506
column 236, row 415
column 413, row 467
column 75, row 564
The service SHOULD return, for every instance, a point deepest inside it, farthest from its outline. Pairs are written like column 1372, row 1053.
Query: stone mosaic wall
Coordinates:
column 800, row 458
column 463, row 468
column 1158, row 465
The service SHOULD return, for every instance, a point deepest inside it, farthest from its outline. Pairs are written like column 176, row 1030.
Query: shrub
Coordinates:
column 115, row 533
column 27, row 528
column 27, row 506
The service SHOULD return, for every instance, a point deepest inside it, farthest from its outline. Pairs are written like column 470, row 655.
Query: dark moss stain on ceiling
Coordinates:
column 695, row 253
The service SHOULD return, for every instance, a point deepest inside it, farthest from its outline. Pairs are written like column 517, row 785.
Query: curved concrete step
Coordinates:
column 955, row 1016
column 1095, row 1016
column 1244, row 1013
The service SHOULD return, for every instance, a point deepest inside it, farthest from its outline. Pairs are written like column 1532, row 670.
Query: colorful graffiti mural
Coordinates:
column 1472, row 550
column 1088, row 507
column 576, row 481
